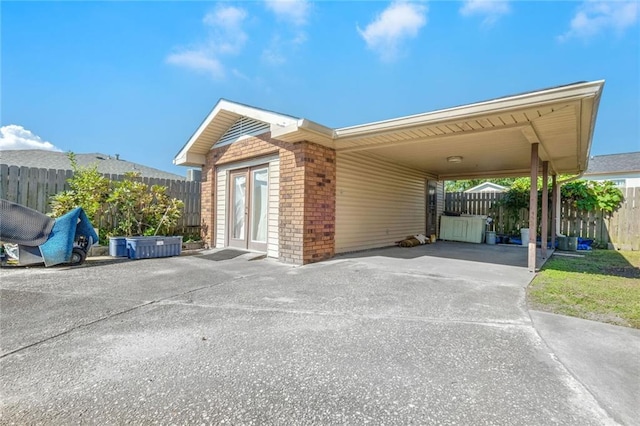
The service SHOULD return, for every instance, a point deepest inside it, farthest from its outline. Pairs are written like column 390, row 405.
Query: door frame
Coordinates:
column 246, row 243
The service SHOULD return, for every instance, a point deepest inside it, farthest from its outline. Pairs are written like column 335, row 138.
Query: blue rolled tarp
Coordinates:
column 66, row 229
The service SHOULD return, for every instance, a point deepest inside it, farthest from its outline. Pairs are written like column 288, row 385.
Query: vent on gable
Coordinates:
column 243, row 127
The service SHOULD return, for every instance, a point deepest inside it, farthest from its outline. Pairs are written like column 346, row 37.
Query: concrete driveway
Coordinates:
column 382, row 337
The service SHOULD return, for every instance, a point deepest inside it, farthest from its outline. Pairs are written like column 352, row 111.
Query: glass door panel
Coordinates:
column 238, row 210
column 259, row 208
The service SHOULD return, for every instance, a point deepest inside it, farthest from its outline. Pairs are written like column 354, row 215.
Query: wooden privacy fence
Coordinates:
column 32, row 187
column 621, row 230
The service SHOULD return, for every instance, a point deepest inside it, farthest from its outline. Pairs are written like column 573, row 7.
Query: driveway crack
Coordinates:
column 116, row 314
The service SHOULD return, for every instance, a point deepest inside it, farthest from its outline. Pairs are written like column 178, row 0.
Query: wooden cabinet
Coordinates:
column 469, row 229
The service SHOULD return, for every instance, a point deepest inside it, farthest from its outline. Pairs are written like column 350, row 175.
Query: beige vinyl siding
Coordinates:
column 274, row 207
column 221, row 207
column 377, row 202
column 274, row 201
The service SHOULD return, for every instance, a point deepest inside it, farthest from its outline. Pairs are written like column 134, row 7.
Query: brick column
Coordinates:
column 207, row 204
column 291, row 209
column 307, row 203
column 319, row 203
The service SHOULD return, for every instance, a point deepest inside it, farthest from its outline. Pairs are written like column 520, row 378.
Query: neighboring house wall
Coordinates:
column 377, row 202
column 630, row 180
column 633, row 182
column 306, row 178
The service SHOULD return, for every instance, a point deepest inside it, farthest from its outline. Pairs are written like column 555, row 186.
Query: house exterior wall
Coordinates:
column 305, row 195
column 627, row 180
column 377, row 202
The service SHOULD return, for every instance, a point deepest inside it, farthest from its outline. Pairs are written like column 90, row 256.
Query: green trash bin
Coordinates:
column 563, row 244
column 568, row 243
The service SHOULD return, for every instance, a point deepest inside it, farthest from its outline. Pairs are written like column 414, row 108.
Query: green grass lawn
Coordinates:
column 600, row 285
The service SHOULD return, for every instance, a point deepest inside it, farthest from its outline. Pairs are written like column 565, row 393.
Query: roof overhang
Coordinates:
column 493, row 137
column 223, row 116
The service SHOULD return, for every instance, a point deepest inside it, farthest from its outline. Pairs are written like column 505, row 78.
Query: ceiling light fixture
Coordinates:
column 454, row 159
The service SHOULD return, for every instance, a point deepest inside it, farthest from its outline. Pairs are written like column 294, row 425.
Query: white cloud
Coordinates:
column 295, row 12
column 492, row 10
column 594, row 17
column 199, row 60
column 398, row 22
column 226, row 37
column 17, row 137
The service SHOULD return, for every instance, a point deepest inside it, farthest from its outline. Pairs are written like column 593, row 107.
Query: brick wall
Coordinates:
column 307, row 195
column 207, row 224
column 320, row 203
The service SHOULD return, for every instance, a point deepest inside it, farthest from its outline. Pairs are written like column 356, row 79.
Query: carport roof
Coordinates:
column 493, row 138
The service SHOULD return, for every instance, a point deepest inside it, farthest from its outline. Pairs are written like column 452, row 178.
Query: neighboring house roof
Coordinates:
column 489, row 139
column 487, row 187
column 614, row 164
column 106, row 164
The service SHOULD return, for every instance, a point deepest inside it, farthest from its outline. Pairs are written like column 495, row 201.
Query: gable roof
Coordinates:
column 493, row 138
column 106, row 164
column 221, row 118
column 614, row 163
column 487, row 187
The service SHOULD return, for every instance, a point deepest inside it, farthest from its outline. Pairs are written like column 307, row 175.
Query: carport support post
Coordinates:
column 545, row 210
column 554, row 211
column 533, row 208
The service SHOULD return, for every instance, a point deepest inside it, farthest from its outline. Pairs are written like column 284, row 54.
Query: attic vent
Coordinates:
column 243, row 127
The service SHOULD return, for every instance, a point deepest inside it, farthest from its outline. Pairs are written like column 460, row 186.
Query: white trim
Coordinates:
column 272, row 118
column 247, row 163
column 564, row 93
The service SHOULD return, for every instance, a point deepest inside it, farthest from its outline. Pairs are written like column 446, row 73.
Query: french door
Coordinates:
column 248, row 208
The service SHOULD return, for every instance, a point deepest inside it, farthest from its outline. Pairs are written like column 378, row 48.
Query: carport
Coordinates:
column 339, row 190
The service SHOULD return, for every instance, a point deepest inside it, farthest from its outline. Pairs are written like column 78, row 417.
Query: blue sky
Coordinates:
column 138, row 78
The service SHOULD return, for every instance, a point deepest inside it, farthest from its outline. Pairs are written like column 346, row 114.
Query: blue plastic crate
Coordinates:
column 152, row 247
column 118, row 246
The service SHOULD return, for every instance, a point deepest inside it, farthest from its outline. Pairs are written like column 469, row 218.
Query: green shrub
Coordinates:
column 125, row 208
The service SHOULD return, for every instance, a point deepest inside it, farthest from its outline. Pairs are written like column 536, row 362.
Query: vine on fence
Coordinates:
column 587, row 196
column 134, row 207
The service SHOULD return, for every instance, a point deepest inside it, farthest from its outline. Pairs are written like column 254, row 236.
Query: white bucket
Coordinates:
column 491, row 237
column 524, row 235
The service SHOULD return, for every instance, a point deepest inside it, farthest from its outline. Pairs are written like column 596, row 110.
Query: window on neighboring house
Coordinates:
column 620, row 183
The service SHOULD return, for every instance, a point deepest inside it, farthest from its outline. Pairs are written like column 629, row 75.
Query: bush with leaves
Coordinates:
column 592, row 196
column 584, row 195
column 140, row 209
column 128, row 207
column 87, row 189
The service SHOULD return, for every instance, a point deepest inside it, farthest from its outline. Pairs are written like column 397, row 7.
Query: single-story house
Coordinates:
column 622, row 169
column 105, row 164
column 302, row 192
column 486, row 187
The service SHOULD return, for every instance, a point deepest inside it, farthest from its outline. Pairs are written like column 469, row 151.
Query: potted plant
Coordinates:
column 193, row 243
